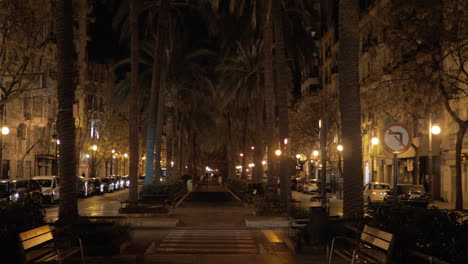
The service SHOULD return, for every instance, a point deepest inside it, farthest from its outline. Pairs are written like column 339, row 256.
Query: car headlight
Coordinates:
column 14, row 197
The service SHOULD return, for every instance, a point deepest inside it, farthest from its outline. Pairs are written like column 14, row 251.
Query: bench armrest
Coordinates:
column 348, row 239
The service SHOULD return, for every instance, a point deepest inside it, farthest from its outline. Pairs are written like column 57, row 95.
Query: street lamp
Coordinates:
column 374, row 142
column 339, row 148
column 433, row 129
column 5, row 131
column 278, row 152
column 93, row 160
column 125, row 155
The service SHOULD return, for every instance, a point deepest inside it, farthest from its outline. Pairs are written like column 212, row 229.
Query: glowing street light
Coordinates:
column 94, row 147
column 113, row 151
column 315, row 153
column 5, row 130
column 252, row 147
column 298, row 156
column 125, row 155
column 241, row 154
column 87, row 156
column 435, row 129
column 263, row 162
column 339, row 147
column 251, row 165
column 375, row 140
column 278, row 152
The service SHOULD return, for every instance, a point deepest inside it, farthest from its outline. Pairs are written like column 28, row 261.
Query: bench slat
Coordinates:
column 34, row 241
column 35, row 232
column 375, row 241
column 378, row 233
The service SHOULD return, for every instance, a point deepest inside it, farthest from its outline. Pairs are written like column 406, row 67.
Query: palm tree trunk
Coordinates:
column 230, row 161
column 170, row 145
column 282, row 91
column 133, row 139
column 157, row 137
column 163, row 21
column 244, row 144
column 269, row 92
column 68, row 209
column 257, row 173
column 350, row 108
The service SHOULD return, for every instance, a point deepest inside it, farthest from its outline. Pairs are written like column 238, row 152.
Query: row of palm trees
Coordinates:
column 218, row 75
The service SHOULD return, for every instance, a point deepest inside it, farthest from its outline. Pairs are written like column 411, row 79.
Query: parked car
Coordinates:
column 410, row 194
column 81, row 186
column 108, row 184
column 375, row 191
column 50, row 188
column 29, row 189
column 126, row 181
column 98, row 186
column 311, row 186
column 8, row 191
column 90, row 188
column 116, row 181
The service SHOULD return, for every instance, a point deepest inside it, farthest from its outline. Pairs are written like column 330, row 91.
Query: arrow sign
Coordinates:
column 396, row 138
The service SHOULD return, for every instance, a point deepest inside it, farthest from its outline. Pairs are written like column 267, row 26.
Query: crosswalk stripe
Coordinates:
column 208, row 241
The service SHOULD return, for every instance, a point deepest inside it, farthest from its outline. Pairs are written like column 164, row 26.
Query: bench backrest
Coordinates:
column 36, row 236
column 377, row 238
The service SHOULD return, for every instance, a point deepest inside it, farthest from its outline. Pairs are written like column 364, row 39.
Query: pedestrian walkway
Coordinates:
column 210, row 228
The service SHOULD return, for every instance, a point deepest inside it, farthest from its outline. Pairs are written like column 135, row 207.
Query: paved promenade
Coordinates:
column 209, row 226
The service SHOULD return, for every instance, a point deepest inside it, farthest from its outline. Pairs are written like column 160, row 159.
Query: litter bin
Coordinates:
column 318, row 222
column 189, row 186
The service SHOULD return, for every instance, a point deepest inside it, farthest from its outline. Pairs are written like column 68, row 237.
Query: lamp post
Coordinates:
column 125, row 155
column 340, row 169
column 93, row 160
column 315, row 153
column 374, row 142
column 433, row 129
column 55, row 167
column 5, row 131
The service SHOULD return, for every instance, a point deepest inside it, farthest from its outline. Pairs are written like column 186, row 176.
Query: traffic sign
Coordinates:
column 396, row 138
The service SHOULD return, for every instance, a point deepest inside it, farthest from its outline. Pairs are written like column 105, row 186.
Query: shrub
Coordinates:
column 150, row 191
column 435, row 232
column 100, row 238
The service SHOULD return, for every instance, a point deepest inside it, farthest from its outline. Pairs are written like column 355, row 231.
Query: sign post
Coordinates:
column 396, row 139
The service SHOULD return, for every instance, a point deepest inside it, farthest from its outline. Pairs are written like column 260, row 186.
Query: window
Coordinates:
column 27, row 169
column 37, row 106
column 27, row 108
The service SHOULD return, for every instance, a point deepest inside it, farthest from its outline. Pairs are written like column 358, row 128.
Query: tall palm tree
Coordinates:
column 68, row 209
column 156, row 90
column 350, row 108
column 267, row 30
column 133, row 117
column 282, row 90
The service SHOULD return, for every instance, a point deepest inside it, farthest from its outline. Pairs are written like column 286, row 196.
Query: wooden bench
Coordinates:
column 374, row 246
column 39, row 245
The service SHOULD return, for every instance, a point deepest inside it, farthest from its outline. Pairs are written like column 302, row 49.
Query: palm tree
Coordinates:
column 68, row 209
column 156, row 92
column 133, row 116
column 350, row 108
column 282, row 90
column 267, row 31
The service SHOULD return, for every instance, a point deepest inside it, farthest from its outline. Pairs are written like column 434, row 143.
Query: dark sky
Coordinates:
column 105, row 43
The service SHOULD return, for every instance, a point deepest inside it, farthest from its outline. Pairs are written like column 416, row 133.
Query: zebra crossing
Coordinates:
column 208, row 242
